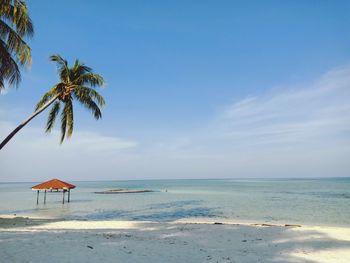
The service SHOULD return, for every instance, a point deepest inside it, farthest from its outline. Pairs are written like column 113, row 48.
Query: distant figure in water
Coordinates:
column 166, row 190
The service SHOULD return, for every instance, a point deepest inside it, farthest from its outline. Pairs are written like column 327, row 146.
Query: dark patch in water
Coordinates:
column 333, row 195
column 161, row 212
column 316, row 194
column 176, row 204
column 158, row 216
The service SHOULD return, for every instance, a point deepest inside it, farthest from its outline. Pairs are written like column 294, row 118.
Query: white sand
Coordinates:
column 41, row 240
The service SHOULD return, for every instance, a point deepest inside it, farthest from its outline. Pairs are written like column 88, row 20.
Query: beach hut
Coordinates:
column 56, row 185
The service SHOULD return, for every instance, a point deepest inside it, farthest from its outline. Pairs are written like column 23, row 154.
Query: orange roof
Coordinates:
column 53, row 184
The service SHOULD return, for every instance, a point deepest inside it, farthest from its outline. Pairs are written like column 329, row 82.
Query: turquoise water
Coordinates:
column 299, row 201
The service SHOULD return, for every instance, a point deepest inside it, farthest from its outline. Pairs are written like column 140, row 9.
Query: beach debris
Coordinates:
column 276, row 225
column 108, row 236
column 267, row 225
column 218, row 223
column 127, row 251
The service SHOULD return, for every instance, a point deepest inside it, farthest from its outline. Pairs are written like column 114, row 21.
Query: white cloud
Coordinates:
column 318, row 111
column 290, row 131
column 34, row 155
column 286, row 132
column 81, row 140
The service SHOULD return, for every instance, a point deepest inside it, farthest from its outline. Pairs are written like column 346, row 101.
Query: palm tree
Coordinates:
column 76, row 83
column 15, row 25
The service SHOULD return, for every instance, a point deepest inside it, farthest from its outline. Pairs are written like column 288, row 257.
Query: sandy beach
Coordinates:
column 42, row 240
column 174, row 131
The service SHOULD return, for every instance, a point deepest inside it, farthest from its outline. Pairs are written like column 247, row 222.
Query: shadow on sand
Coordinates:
column 173, row 243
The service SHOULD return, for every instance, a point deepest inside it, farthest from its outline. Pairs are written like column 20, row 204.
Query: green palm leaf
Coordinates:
column 63, row 125
column 9, row 69
column 77, row 83
column 15, row 25
column 52, row 116
column 62, row 65
column 91, row 105
column 84, row 92
column 69, row 112
column 48, row 95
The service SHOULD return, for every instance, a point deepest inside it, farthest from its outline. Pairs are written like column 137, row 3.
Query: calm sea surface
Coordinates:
column 299, row 201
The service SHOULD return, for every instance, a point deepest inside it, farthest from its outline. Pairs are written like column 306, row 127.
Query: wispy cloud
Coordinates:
column 301, row 130
column 310, row 113
column 36, row 155
column 83, row 141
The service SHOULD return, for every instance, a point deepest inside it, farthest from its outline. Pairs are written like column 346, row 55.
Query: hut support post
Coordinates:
column 63, row 196
column 68, row 195
column 45, row 197
column 37, row 197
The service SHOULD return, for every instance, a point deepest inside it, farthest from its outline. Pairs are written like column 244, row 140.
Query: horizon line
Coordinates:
column 193, row 179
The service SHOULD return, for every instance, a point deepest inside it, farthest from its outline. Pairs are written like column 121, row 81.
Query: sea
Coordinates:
column 313, row 201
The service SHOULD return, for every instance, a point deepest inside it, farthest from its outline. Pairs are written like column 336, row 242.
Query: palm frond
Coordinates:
column 70, row 88
column 9, row 69
column 15, row 25
column 57, row 58
column 63, row 124
column 52, row 116
column 15, row 44
column 23, row 22
column 17, row 15
column 12, row 37
column 89, row 104
column 78, row 70
column 83, row 92
column 67, row 120
column 62, row 65
column 70, row 121
column 91, row 79
column 47, row 96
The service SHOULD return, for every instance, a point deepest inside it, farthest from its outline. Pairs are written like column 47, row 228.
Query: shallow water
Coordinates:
column 299, row 201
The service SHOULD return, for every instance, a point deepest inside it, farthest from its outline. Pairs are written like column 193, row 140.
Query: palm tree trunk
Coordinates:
column 24, row 123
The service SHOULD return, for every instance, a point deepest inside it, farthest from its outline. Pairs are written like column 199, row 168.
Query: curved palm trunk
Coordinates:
column 24, row 123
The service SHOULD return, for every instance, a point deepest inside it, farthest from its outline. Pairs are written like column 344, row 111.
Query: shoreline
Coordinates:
column 23, row 223
column 195, row 220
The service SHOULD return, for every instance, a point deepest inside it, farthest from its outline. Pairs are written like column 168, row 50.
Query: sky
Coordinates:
column 195, row 89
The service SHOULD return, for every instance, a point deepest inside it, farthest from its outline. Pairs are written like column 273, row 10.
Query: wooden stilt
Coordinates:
column 68, row 195
column 45, row 197
column 37, row 197
column 63, row 196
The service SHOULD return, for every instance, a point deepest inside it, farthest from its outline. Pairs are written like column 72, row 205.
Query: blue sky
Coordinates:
column 196, row 89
